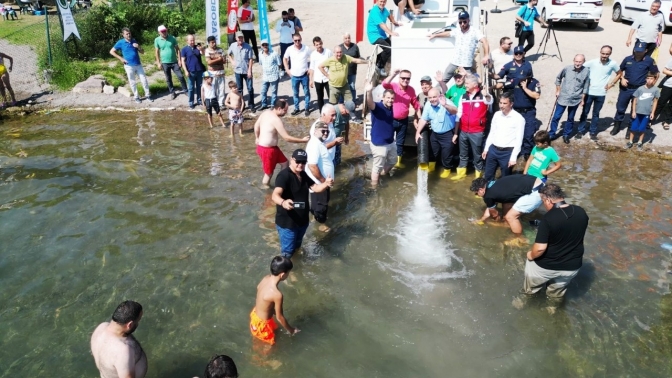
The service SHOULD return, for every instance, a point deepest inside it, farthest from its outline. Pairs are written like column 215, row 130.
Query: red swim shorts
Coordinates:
column 270, row 157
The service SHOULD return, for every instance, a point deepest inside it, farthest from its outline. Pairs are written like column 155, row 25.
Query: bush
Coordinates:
column 101, row 26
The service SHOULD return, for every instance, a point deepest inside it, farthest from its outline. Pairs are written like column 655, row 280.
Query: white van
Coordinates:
column 631, row 9
column 584, row 11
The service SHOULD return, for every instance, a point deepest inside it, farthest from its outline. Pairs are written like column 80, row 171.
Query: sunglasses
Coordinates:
column 325, row 131
column 297, row 40
column 404, row 78
column 463, row 22
column 518, row 53
column 301, row 162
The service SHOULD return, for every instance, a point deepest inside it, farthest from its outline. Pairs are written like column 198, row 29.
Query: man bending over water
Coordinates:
column 269, row 303
column 116, row 352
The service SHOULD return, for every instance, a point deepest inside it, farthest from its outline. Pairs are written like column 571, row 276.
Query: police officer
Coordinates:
column 526, row 92
column 518, row 68
column 632, row 75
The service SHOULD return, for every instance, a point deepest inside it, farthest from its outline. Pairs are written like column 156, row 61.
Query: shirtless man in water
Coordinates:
column 266, row 131
column 269, row 303
column 116, row 352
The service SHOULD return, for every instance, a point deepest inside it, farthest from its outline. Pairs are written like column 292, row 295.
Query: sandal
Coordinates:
column 666, row 126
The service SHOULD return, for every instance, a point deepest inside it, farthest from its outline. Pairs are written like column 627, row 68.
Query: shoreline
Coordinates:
column 661, row 152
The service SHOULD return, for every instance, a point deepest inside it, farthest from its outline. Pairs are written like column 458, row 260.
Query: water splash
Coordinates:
column 423, row 255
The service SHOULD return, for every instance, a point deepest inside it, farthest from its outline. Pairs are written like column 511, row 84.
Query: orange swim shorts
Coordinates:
column 263, row 330
column 270, row 157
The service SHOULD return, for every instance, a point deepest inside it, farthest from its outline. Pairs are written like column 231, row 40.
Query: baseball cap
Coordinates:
column 425, row 78
column 349, row 106
column 206, row 74
column 463, row 15
column 239, row 34
column 300, row 156
column 265, row 41
column 162, row 28
column 519, row 50
column 640, row 47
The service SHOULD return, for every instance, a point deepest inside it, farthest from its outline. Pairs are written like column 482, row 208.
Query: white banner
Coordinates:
column 212, row 19
column 67, row 20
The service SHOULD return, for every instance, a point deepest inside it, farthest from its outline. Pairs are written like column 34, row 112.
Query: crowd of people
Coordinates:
column 490, row 121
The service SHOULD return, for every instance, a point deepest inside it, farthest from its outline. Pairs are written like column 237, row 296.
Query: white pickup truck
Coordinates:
column 629, row 10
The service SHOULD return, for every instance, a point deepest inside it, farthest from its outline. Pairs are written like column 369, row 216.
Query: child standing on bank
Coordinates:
column 209, row 96
column 541, row 157
column 644, row 104
column 234, row 102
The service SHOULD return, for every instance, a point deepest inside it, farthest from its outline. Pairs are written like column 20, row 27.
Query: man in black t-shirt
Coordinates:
column 518, row 194
column 557, row 253
column 291, row 198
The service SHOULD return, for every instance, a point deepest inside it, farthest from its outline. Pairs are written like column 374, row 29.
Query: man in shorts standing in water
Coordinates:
column 266, row 131
column 116, row 352
column 269, row 303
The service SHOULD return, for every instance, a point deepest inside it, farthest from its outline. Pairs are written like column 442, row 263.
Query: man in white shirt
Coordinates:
column 286, row 29
column 320, row 168
column 246, row 21
column 466, row 42
column 505, row 139
column 317, row 78
column 499, row 57
column 299, row 57
column 649, row 26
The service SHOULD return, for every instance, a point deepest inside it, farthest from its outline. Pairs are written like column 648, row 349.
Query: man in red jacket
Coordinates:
column 472, row 114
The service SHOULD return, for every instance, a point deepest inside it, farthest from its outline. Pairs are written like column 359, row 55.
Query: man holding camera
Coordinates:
column 291, row 198
column 557, row 253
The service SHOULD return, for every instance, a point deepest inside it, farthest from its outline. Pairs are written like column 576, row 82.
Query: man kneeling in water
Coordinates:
column 269, row 303
column 518, row 194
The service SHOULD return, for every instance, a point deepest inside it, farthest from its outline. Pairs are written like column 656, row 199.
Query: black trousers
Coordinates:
column 441, row 146
column 526, row 36
column 665, row 97
column 385, row 53
column 320, row 88
column 250, row 36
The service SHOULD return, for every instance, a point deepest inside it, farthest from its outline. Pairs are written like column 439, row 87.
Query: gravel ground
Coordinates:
column 314, row 13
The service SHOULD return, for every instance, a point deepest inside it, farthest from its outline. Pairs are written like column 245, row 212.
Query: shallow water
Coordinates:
column 98, row 208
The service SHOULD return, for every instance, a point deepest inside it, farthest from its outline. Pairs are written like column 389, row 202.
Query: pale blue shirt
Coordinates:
column 440, row 120
column 599, row 75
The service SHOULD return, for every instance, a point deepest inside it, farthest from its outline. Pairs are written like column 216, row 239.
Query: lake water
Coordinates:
column 97, row 208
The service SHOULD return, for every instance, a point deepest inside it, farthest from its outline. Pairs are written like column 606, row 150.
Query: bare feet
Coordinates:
column 324, row 228
column 518, row 241
column 263, row 186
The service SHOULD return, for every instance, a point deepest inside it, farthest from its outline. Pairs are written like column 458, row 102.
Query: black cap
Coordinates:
column 463, row 15
column 300, row 156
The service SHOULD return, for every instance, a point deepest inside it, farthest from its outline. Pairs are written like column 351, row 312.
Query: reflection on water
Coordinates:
column 98, row 208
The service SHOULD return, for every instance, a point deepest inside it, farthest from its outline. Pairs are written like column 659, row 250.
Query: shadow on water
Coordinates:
column 583, row 281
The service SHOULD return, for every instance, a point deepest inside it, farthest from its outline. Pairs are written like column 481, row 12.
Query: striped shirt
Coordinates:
column 270, row 66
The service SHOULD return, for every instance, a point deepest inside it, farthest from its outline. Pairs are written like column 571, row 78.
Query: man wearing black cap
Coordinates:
column 526, row 92
column 466, row 42
column 632, row 76
column 518, row 68
column 291, row 198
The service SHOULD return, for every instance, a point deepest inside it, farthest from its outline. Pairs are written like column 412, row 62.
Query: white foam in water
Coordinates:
column 426, row 255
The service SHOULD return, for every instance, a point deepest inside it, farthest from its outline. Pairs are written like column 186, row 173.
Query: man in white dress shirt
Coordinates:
column 505, row 139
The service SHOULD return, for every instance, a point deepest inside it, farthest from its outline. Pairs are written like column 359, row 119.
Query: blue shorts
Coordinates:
column 528, row 203
column 639, row 123
column 290, row 239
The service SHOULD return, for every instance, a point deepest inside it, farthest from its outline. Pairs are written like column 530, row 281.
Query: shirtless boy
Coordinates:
column 266, row 131
column 234, row 102
column 116, row 352
column 269, row 303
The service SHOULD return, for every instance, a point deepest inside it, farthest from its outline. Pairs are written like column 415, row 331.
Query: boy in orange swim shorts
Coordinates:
column 269, row 303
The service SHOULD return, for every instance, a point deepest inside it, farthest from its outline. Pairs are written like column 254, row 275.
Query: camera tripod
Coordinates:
column 546, row 37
